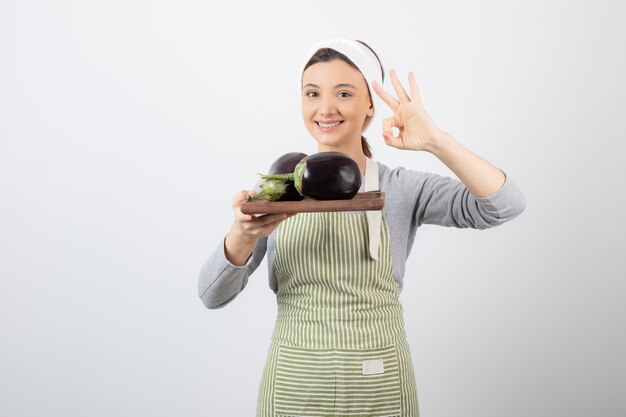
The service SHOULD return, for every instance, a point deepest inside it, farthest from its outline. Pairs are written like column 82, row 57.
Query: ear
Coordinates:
column 370, row 111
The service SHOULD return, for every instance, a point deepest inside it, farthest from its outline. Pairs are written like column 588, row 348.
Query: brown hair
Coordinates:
column 328, row 54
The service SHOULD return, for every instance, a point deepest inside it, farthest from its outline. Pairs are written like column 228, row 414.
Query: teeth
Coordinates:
column 327, row 125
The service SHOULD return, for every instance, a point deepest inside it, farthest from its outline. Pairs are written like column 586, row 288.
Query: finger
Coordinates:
column 402, row 95
column 415, row 94
column 268, row 219
column 388, row 124
column 390, row 139
column 385, row 96
column 269, row 228
column 242, row 218
column 239, row 198
column 394, row 141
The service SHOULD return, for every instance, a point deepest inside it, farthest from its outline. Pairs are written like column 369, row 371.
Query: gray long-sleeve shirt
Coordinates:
column 412, row 198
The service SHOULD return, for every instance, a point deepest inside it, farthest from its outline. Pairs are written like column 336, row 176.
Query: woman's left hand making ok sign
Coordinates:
column 417, row 131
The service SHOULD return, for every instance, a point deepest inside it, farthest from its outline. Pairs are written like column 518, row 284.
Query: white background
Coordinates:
column 126, row 127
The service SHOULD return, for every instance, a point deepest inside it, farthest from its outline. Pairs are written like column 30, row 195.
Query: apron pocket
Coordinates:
column 337, row 382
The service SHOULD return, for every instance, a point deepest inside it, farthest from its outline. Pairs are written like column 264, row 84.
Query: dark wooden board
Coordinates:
column 370, row 200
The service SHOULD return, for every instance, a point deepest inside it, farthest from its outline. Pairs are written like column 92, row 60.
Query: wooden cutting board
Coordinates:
column 370, row 200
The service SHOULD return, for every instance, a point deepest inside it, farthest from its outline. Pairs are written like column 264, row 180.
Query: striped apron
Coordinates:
column 339, row 347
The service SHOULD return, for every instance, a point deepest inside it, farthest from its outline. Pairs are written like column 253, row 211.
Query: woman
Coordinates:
column 339, row 347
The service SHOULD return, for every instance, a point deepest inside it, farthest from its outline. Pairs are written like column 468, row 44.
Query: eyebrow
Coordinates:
column 342, row 85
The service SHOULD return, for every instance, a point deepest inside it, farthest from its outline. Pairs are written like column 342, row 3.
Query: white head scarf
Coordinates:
column 360, row 55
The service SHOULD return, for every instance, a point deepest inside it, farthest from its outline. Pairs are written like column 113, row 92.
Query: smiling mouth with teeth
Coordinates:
column 328, row 125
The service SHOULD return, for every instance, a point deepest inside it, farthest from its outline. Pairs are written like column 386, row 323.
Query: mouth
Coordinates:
column 328, row 126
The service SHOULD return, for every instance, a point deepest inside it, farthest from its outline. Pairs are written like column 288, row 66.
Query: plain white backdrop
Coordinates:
column 126, row 127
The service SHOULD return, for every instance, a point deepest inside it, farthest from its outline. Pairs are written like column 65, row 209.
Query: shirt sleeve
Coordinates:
column 441, row 200
column 220, row 281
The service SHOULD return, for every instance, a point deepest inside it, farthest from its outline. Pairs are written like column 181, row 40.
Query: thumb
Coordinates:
column 240, row 198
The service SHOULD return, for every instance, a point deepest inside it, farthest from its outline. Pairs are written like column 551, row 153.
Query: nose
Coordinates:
column 327, row 107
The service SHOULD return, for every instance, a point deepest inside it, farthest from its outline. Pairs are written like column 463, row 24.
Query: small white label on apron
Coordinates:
column 373, row 366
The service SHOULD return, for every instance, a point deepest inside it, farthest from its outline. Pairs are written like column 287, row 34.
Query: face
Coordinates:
column 335, row 103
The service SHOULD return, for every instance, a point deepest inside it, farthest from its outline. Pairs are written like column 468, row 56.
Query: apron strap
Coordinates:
column 374, row 217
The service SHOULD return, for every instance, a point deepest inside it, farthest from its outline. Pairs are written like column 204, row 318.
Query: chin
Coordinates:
column 327, row 141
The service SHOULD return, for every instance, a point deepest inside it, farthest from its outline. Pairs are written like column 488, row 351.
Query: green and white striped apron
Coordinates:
column 339, row 347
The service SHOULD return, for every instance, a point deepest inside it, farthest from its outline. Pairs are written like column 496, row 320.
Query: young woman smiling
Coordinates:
column 339, row 345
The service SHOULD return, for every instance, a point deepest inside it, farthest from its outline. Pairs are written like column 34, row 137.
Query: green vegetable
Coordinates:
column 271, row 190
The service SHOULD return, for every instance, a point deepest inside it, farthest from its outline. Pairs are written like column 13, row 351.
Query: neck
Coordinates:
column 353, row 150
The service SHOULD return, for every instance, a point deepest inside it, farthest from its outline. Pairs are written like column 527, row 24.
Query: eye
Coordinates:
column 344, row 94
column 311, row 94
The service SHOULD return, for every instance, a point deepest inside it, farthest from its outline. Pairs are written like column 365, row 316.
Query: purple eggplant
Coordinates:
column 286, row 163
column 324, row 176
column 280, row 190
